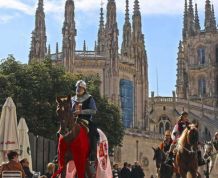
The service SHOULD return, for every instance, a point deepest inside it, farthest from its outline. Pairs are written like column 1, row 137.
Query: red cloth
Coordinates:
column 80, row 148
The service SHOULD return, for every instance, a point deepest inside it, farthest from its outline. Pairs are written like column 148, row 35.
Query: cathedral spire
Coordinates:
column 137, row 36
column 136, row 24
column 181, row 80
column 138, row 54
column 208, row 23
column 190, row 22
column 138, row 48
column 213, row 20
column 127, row 11
column 197, row 22
column 57, row 50
column 101, row 33
column 136, row 7
column 38, row 43
column 126, row 44
column 84, row 46
column 185, row 20
column 49, row 50
column 69, row 33
column 112, row 33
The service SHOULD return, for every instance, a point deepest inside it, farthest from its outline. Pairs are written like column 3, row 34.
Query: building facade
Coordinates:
column 197, row 67
column 124, row 78
column 124, row 75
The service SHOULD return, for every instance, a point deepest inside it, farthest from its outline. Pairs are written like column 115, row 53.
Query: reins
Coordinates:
column 190, row 151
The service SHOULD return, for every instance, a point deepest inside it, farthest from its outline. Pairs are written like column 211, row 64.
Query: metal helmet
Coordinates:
column 81, row 83
column 167, row 133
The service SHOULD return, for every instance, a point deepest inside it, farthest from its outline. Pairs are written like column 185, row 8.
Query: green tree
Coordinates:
column 34, row 89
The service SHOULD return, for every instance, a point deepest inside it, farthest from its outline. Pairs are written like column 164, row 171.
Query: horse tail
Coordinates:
column 58, row 172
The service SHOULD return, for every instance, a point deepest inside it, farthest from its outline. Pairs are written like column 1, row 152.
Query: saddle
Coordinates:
column 69, row 134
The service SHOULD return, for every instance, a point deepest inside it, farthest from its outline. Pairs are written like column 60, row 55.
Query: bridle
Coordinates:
column 64, row 112
column 191, row 150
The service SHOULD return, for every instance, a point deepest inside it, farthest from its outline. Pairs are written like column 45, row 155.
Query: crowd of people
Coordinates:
column 83, row 105
column 128, row 171
column 169, row 144
column 22, row 166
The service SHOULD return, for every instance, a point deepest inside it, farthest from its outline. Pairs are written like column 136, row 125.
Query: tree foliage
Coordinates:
column 34, row 89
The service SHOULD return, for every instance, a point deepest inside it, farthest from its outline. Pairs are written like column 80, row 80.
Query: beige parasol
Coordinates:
column 24, row 141
column 8, row 129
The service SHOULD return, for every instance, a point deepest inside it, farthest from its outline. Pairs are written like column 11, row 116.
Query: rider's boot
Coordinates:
column 94, row 138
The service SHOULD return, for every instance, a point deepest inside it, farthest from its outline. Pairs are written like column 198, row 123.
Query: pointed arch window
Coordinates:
column 167, row 126
column 207, row 135
column 216, row 89
column 201, row 55
column 216, row 51
column 161, row 128
column 202, row 86
column 164, row 124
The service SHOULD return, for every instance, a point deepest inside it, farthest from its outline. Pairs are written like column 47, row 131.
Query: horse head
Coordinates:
column 64, row 112
column 63, row 104
column 192, row 134
column 208, row 149
column 159, row 156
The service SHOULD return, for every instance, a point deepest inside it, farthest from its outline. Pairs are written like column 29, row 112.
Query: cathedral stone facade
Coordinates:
column 197, row 71
column 124, row 74
column 124, row 78
column 197, row 77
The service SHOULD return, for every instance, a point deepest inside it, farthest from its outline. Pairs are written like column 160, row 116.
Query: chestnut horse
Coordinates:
column 73, row 141
column 186, row 157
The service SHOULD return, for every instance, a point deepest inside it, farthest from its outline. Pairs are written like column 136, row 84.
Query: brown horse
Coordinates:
column 186, row 157
column 73, row 141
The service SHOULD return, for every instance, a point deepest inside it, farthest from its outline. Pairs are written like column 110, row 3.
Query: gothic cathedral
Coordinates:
column 124, row 76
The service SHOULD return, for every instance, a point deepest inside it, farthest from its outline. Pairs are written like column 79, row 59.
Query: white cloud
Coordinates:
column 16, row 5
column 5, row 18
column 56, row 7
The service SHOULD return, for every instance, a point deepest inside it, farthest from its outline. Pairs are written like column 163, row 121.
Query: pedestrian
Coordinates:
column 25, row 164
column 125, row 172
column 166, row 143
column 116, row 171
column 137, row 171
column 50, row 170
column 13, row 164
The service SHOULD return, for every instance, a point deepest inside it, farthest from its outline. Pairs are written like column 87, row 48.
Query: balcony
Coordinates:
column 198, row 66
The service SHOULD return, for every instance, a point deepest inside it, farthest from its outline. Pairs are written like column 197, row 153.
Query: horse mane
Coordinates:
column 184, row 137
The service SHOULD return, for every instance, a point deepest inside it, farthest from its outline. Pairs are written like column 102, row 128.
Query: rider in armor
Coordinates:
column 83, row 105
column 165, row 144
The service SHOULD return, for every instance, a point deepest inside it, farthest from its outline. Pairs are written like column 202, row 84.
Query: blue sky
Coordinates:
column 161, row 19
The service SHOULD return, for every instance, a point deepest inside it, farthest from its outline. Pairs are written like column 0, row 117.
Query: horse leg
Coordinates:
column 88, row 169
column 178, row 175
column 183, row 174
column 193, row 174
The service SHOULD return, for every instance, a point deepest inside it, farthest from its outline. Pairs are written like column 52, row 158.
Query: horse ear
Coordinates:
column 153, row 148
column 58, row 99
